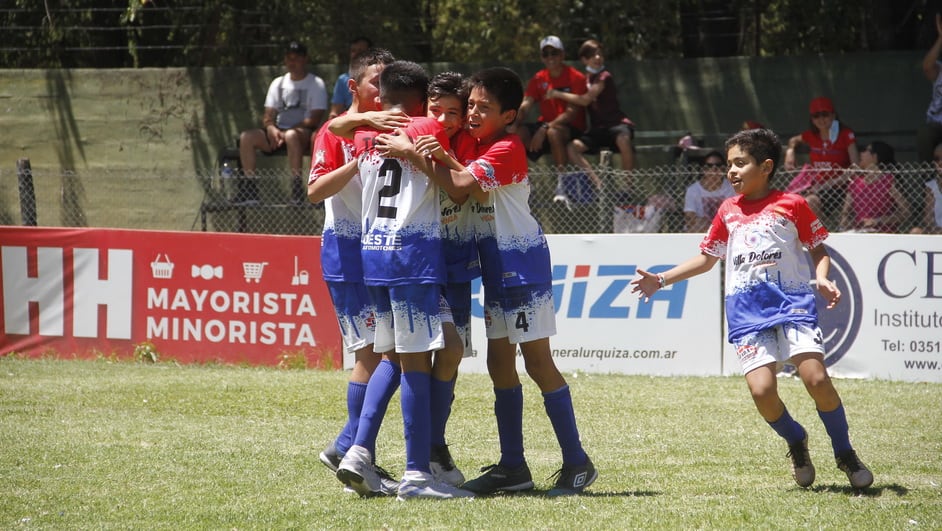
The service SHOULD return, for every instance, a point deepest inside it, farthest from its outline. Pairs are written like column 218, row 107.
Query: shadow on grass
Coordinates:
column 871, row 492
column 541, row 493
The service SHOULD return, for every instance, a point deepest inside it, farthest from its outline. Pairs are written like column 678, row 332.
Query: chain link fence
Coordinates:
column 221, row 199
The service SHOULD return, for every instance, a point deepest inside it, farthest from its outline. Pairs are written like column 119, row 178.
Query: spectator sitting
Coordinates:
column 342, row 98
column 294, row 107
column 558, row 122
column 609, row 126
column 872, row 203
column 932, row 210
column 833, row 149
column 703, row 197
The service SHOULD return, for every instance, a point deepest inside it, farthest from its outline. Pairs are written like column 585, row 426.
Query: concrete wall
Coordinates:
column 172, row 122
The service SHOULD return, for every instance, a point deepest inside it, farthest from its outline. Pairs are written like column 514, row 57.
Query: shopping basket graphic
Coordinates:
column 253, row 270
column 161, row 269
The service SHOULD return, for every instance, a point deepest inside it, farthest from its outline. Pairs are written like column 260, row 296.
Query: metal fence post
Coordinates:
column 24, row 177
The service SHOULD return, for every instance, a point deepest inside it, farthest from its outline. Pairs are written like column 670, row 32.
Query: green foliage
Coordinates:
column 103, row 445
column 97, row 33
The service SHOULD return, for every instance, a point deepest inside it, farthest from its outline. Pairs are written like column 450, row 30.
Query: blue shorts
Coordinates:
column 408, row 318
column 355, row 313
column 521, row 313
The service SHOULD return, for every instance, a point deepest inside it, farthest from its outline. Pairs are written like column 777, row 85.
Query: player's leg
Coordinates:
column 814, row 375
column 535, row 322
column 511, row 472
column 418, row 328
column 357, row 470
column 759, row 355
column 444, row 373
column 355, row 314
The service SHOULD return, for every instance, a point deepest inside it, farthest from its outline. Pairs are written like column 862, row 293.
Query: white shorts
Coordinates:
column 777, row 345
column 408, row 318
column 521, row 314
column 355, row 313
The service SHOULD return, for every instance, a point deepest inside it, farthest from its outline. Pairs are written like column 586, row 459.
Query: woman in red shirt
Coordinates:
column 833, row 148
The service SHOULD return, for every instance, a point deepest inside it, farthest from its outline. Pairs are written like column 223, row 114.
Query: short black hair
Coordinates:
column 449, row 84
column 403, row 83
column 373, row 56
column 503, row 84
column 884, row 152
column 761, row 144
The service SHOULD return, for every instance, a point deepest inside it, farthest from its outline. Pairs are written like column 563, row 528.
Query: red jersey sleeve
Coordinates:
column 327, row 155
column 502, row 163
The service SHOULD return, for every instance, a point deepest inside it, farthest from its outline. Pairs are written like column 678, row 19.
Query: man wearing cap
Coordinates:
column 558, row 122
column 294, row 107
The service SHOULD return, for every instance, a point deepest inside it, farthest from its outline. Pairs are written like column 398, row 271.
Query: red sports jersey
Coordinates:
column 570, row 80
column 830, row 153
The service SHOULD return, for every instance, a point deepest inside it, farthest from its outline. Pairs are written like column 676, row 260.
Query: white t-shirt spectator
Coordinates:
column 294, row 100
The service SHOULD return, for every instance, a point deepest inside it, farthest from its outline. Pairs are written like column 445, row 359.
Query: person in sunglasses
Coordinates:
column 558, row 121
column 703, row 197
column 833, row 148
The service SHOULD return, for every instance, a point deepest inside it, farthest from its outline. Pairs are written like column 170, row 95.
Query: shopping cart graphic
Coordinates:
column 253, row 270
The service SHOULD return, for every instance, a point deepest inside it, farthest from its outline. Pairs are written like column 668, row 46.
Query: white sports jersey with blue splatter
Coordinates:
column 340, row 241
column 768, row 278
column 402, row 234
column 511, row 242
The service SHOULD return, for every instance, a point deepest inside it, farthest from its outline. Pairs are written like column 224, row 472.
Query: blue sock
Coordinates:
column 416, row 419
column 788, row 429
column 356, row 392
column 559, row 409
column 835, row 422
column 383, row 384
column 508, row 408
column 442, row 394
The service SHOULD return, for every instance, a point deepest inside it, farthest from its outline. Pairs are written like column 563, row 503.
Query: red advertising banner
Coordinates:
column 195, row 296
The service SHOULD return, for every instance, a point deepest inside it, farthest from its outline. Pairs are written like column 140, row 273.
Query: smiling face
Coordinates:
column 748, row 176
column 486, row 121
column 448, row 111
column 822, row 120
column 714, row 170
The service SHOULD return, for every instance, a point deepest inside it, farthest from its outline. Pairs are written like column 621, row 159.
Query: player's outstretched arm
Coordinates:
column 648, row 282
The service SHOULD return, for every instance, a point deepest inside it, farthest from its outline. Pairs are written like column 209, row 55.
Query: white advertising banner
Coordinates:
column 602, row 327
column 888, row 324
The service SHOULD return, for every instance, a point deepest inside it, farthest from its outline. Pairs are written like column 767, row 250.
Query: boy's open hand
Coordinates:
column 646, row 285
column 387, row 120
column 428, row 146
column 393, row 145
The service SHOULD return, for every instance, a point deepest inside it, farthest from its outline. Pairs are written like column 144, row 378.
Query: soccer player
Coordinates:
column 518, row 295
column 447, row 103
column 770, row 304
column 404, row 269
column 341, row 262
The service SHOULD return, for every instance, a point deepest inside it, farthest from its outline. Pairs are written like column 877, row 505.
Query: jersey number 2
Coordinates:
column 391, row 173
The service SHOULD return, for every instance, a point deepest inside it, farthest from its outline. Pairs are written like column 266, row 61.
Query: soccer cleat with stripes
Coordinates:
column 357, row 471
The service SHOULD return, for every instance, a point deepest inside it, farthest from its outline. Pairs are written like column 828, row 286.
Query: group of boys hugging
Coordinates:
column 425, row 190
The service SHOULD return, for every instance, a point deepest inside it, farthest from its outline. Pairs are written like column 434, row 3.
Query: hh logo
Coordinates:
column 59, row 294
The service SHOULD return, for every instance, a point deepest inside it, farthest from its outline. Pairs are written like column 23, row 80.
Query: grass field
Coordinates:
column 102, row 444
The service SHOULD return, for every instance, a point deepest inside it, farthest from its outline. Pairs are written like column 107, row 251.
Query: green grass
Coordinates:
column 102, row 444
